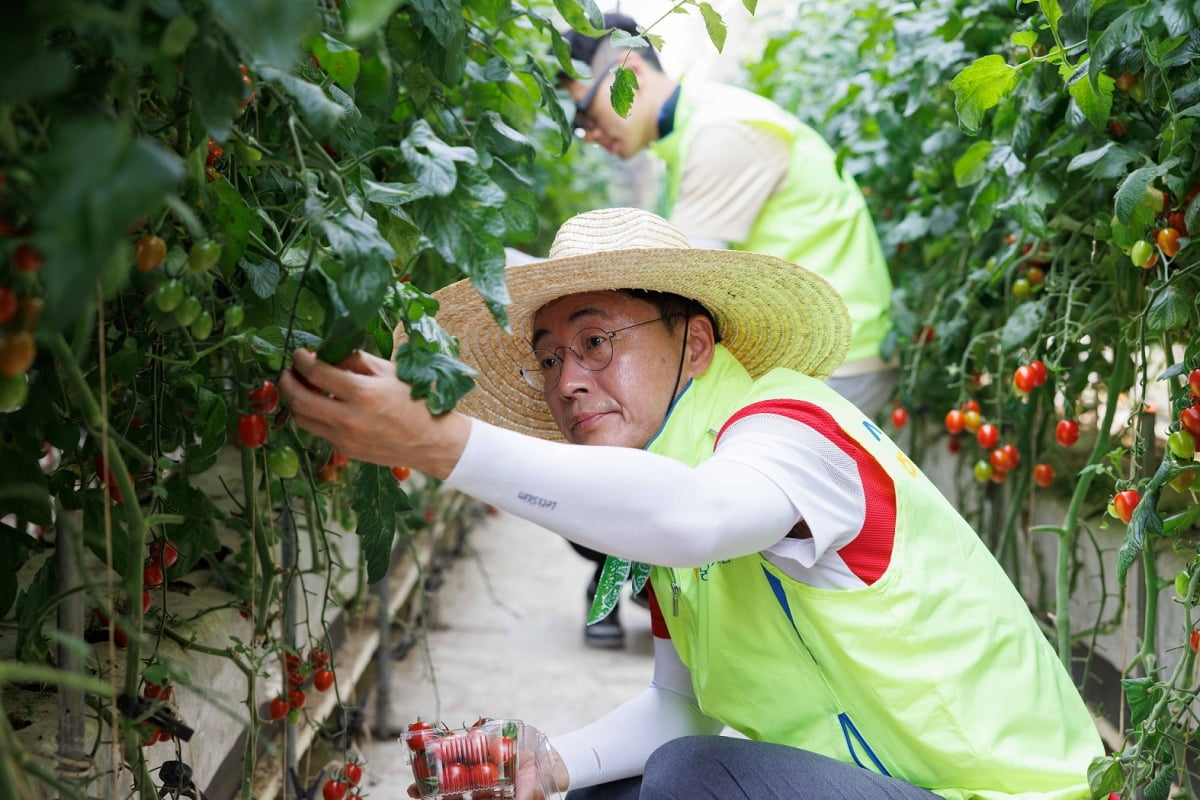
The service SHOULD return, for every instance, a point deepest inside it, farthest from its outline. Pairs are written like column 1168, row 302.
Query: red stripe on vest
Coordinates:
column 870, row 552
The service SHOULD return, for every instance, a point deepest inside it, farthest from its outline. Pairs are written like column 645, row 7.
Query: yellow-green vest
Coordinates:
column 818, row 218
column 936, row 673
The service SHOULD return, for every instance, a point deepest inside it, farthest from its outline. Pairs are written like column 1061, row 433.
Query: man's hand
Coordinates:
column 368, row 414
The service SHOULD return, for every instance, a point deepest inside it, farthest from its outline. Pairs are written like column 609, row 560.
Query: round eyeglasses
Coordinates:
column 592, row 348
column 583, row 120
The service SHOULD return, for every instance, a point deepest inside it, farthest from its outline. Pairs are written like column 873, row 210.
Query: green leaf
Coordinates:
column 394, row 195
column 1123, row 31
column 264, row 276
column 1160, row 787
column 714, row 25
column 624, row 86
column 1022, row 325
column 981, row 86
column 98, row 181
column 1053, row 13
column 1170, row 309
column 1095, row 101
column 582, row 15
column 750, row 5
column 433, row 161
column 319, row 112
column 235, row 219
column 1140, row 694
column 212, row 421
column 1105, row 776
column 339, row 59
column 216, row 85
column 971, row 166
column 270, row 32
column 1133, row 188
column 439, row 378
column 365, row 17
column 1025, row 38
column 31, row 645
column 377, row 499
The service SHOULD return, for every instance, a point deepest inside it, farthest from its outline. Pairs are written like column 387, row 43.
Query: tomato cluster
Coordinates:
column 164, row 694
column 483, row 756
column 345, row 784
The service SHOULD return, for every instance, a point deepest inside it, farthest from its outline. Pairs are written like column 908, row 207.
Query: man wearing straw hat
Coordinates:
column 741, row 172
column 812, row 590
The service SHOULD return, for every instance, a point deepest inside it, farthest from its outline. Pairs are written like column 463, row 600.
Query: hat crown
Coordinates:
column 608, row 229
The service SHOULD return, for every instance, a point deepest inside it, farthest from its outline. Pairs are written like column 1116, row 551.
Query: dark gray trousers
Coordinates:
column 729, row 768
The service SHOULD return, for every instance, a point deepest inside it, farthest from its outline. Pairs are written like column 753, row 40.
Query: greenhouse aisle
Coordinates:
column 508, row 643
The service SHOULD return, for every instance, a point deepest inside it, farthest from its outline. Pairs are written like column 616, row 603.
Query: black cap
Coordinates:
column 583, row 47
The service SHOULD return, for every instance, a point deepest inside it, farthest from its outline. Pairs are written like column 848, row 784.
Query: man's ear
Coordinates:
column 701, row 344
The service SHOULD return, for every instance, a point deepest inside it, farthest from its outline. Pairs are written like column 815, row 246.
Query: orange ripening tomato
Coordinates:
column 1168, row 241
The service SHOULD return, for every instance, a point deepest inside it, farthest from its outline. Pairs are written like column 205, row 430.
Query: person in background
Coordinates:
column 742, row 173
column 811, row 589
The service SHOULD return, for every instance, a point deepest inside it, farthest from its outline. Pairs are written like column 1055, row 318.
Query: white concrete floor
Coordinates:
column 508, row 643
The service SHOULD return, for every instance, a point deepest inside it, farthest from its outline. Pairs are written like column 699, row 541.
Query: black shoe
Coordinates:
column 605, row 633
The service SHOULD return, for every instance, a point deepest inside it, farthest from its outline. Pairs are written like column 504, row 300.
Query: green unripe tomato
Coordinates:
column 14, row 391
column 188, row 311
column 1141, row 252
column 203, row 255
column 1137, row 92
column 168, row 295
column 203, row 326
column 284, row 461
column 1182, row 445
column 1020, row 289
column 248, row 154
column 234, row 315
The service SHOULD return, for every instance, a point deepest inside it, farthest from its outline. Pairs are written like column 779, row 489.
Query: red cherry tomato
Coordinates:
column 455, row 778
column 297, row 698
column 322, row 680
column 353, row 773
column 1125, row 502
column 1067, row 431
column 164, row 553
column 970, row 405
column 265, row 398
column 279, row 708
column 420, row 734
column 988, row 436
column 401, row 473
column 1043, row 475
column 484, row 775
column 1189, row 418
column 27, row 258
column 1040, row 373
column 1168, row 241
column 1024, row 379
column 954, row 421
column 1194, row 641
column 252, row 430
column 1011, row 453
column 1194, row 381
column 333, row 790
column 8, row 304
column 899, row 416
column 152, row 576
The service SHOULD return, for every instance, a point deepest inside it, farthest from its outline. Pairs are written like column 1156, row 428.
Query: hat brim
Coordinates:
column 770, row 313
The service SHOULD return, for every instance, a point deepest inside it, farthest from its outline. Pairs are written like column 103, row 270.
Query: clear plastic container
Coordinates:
column 476, row 763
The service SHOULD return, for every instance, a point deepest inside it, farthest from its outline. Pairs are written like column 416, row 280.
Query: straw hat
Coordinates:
column 770, row 312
